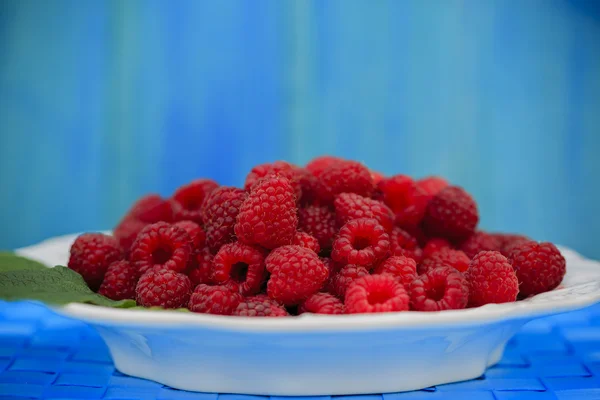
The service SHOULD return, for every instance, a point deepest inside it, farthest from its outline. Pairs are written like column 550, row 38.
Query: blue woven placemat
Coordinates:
column 50, row 357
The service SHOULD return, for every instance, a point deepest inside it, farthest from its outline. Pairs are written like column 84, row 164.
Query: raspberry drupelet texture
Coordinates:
column 318, row 221
column 150, row 209
column 305, row 240
column 445, row 258
column 317, row 165
column 492, row 279
column 322, row 303
column 296, row 273
column 201, row 267
column 362, row 242
column 195, row 232
column 241, row 266
column 161, row 245
column 219, row 300
column 452, row 214
column 126, row 232
column 480, row 241
column 281, row 168
column 161, row 287
column 344, row 277
column 187, row 201
column 434, row 245
column 510, row 241
column 376, row 294
column 219, row 214
column 403, row 244
column 345, row 177
column 90, row 256
column 539, row 267
column 432, row 185
column 119, row 281
column 441, row 288
column 349, row 206
column 268, row 216
column 400, row 267
column 260, row 306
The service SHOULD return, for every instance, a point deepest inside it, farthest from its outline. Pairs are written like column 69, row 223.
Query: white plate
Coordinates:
column 316, row 354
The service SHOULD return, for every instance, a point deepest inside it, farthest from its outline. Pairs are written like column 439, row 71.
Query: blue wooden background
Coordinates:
column 102, row 101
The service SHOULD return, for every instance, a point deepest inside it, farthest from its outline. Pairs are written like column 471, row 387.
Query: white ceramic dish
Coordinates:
column 314, row 354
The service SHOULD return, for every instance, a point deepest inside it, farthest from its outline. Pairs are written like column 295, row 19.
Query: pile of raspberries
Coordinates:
column 331, row 238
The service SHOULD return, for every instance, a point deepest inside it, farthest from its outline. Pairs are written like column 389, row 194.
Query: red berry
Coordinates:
column 348, row 274
column 434, row 245
column 407, row 200
column 322, row 303
column 451, row 214
column 491, row 279
column 187, row 201
column 393, row 191
column 376, row 294
column 91, row 254
column 309, row 185
column 318, row 221
column 280, row 168
column 403, row 244
column 161, row 245
column 377, row 177
column 361, row 241
column 319, row 164
column 345, row 177
column 127, row 231
column 349, row 206
column 197, row 235
column 510, row 241
column 441, row 288
column 240, row 265
column 268, row 216
column 305, row 240
column 221, row 209
column 539, row 267
column 219, row 300
column 260, row 306
column 150, row 209
column 201, row 269
column 400, row 267
column 296, row 273
column 432, row 185
column 480, row 241
column 445, row 258
column 163, row 288
column 119, row 281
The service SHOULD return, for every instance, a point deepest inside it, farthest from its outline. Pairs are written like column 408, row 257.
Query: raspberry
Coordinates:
column 375, row 294
column 161, row 245
column 305, row 240
column 126, row 232
column 241, row 266
column 214, row 300
column 348, row 274
column 201, row 269
column 150, row 209
column 403, row 244
column 539, row 267
column 296, row 273
column 322, row 303
column 91, row 254
column 441, row 288
column 509, row 242
column 281, row 168
column 162, row 287
column 119, row 281
column 361, row 241
column 480, row 241
column 196, row 234
column 393, row 191
column 345, row 177
column 319, row 164
column 402, row 268
column 377, row 177
column 451, row 214
column 318, row 221
column 309, row 185
column 349, row 206
column 445, row 258
column 268, row 216
column 406, row 199
column 491, row 279
column 260, row 306
column 187, row 201
column 434, row 245
column 432, row 185
column 220, row 212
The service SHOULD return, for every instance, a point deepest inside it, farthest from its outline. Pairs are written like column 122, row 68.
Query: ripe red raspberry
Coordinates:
column 393, row 191
column 260, row 306
column 296, row 273
column 510, row 241
column 127, row 231
column 403, row 244
column 119, row 281
column 268, row 216
column 319, row 164
column 377, row 177
column 441, row 288
column 491, row 279
column 539, row 267
column 201, row 267
column 309, row 185
column 400, row 267
column 161, row 245
column 318, row 221
column 451, row 214
column 322, row 303
column 340, row 281
column 361, row 241
column 432, row 185
column 480, row 241
column 196, row 234
column 434, row 245
column 240, row 265
column 187, row 201
column 220, row 212
column 305, row 240
column 278, row 168
column 150, row 209
column 406, row 199
column 445, row 258
column 376, row 294
column 345, row 177
column 91, row 254
column 349, row 206
column 219, row 300
column 160, row 287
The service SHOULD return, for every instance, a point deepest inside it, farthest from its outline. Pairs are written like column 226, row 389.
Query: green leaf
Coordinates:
column 21, row 279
